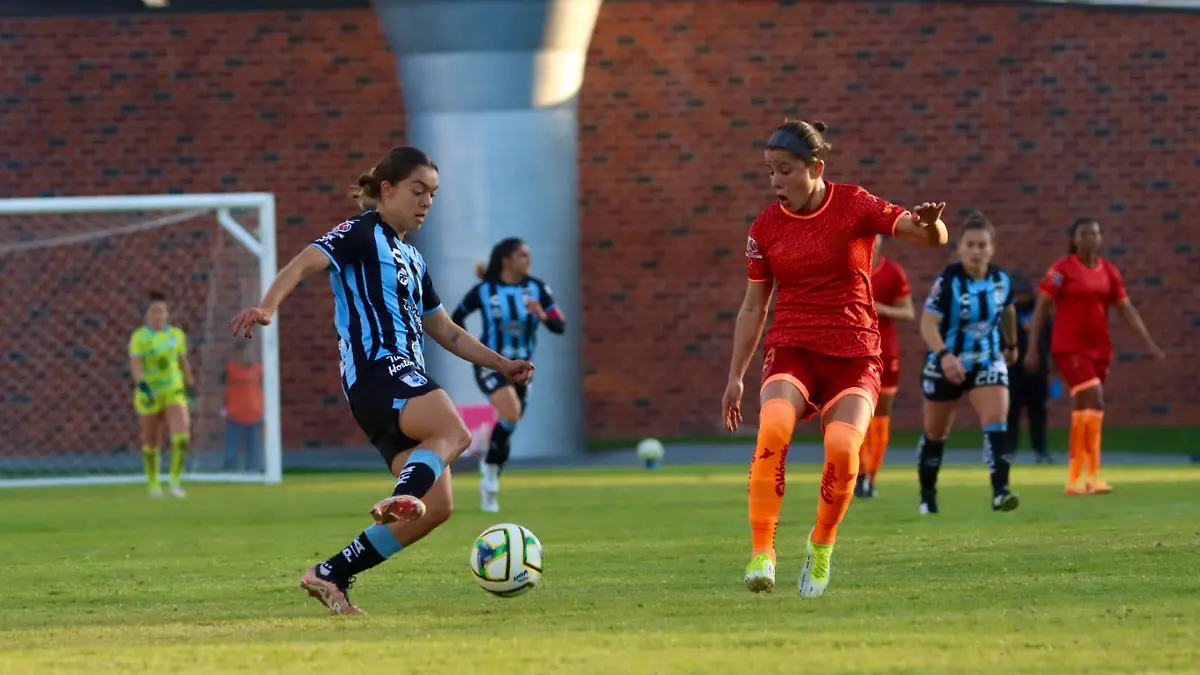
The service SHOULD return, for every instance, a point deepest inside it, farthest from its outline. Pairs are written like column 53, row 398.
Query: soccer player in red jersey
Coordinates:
column 893, row 302
column 1082, row 286
column 822, row 351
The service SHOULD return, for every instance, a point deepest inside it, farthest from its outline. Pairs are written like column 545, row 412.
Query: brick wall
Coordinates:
column 1035, row 115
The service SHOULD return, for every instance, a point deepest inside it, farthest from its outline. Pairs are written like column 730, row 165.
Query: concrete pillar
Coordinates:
column 490, row 89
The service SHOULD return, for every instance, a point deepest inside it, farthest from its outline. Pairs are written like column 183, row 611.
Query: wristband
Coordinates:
column 943, row 352
column 145, row 388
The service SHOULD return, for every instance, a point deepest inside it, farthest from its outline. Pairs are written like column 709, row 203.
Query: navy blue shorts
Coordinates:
column 937, row 388
column 490, row 382
column 378, row 395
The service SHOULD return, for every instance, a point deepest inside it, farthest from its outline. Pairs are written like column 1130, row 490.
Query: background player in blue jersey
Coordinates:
column 969, row 325
column 384, row 303
column 513, row 305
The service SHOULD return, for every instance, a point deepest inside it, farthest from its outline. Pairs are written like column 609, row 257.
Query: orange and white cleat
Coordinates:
column 401, row 508
column 1098, row 486
column 329, row 592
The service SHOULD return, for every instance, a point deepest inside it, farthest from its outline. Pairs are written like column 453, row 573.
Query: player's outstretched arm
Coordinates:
column 456, row 340
column 746, row 333
column 924, row 225
column 1134, row 319
column 310, row 261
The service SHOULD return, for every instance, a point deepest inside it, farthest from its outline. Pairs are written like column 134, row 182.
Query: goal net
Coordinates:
column 76, row 273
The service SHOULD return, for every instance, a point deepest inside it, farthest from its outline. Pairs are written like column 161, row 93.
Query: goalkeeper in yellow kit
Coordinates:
column 163, row 387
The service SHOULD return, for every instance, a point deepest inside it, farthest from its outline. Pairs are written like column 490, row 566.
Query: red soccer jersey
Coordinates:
column 889, row 284
column 821, row 265
column 1082, row 296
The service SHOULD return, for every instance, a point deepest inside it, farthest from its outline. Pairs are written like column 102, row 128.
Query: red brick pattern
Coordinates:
column 1035, row 115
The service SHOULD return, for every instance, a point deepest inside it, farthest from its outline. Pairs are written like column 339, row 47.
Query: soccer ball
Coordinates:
column 507, row 560
column 650, row 451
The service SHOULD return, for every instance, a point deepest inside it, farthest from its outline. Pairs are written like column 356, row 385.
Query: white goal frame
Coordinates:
column 263, row 247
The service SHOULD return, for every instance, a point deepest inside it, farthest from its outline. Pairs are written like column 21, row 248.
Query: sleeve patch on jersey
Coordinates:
column 752, row 249
column 1055, row 277
column 344, row 227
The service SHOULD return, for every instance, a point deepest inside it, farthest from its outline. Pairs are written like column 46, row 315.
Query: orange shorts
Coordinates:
column 889, row 381
column 823, row 380
column 1080, row 371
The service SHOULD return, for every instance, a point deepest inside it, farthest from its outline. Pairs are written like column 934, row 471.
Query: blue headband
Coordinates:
column 786, row 140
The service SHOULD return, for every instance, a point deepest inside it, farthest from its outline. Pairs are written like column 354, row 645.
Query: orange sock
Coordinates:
column 1095, row 420
column 768, row 472
column 842, row 442
column 1077, row 445
column 882, row 430
column 866, row 454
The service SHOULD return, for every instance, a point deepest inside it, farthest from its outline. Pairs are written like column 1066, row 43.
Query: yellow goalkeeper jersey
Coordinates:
column 159, row 351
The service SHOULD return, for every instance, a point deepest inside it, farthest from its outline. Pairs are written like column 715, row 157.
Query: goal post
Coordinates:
column 74, row 277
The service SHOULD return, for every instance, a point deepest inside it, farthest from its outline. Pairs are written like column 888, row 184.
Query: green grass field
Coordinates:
column 643, row 576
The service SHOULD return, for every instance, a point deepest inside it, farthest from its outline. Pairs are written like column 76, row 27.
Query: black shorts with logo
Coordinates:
column 937, row 388
column 490, row 382
column 380, row 391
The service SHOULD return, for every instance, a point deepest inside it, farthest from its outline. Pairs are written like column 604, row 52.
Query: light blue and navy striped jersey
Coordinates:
column 509, row 328
column 381, row 290
column 970, row 311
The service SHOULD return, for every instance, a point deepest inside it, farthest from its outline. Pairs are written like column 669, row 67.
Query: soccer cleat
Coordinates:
column 330, row 593
column 1006, row 501
column 929, row 503
column 156, row 491
column 1075, row 489
column 814, row 578
column 399, row 508
column 176, row 491
column 861, row 486
column 488, row 502
column 760, row 574
column 1097, row 486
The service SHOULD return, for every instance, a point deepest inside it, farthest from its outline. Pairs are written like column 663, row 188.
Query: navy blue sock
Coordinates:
column 372, row 547
column 997, row 455
column 423, row 469
column 929, row 462
column 499, row 448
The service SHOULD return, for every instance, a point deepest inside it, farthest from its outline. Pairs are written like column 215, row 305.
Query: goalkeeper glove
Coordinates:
column 145, row 389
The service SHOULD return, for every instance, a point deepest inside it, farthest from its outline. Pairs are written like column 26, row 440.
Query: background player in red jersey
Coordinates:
column 822, row 352
column 1082, row 286
column 893, row 302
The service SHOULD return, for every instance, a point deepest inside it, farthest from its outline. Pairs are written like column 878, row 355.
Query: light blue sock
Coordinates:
column 383, row 540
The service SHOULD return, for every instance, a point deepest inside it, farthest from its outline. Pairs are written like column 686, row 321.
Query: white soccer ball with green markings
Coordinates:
column 651, row 452
column 507, row 560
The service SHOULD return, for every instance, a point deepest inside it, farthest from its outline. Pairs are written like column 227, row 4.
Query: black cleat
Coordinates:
column 1006, row 501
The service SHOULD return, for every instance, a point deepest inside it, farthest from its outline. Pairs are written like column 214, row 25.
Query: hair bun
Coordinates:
column 365, row 179
column 820, row 127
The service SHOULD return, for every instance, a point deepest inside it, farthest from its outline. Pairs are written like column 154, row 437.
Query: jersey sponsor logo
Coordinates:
column 978, row 330
column 1000, row 293
column 752, row 249
column 402, row 273
column 336, row 233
